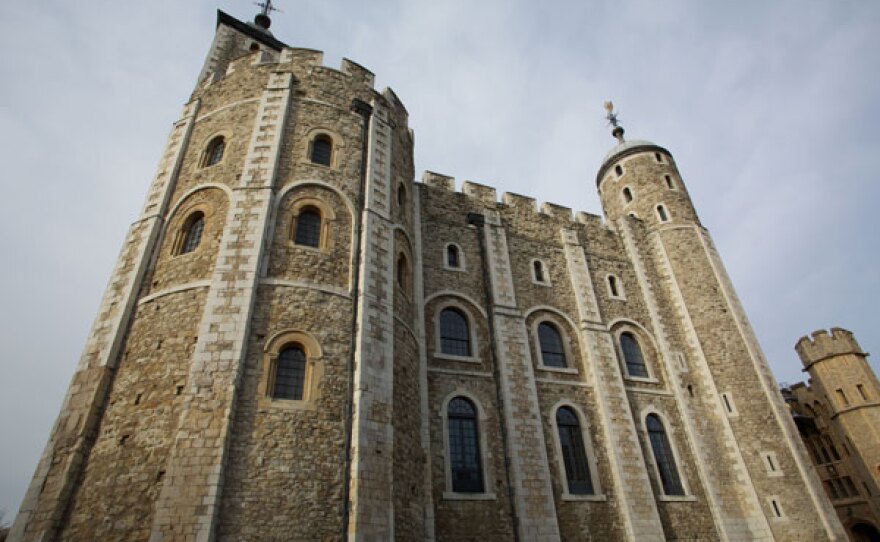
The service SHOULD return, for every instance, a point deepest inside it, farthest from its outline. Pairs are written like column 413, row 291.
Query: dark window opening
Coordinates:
column 214, row 152
column 308, row 228
column 322, row 150
column 658, row 157
column 539, row 271
column 452, row 257
column 663, row 456
column 618, row 170
column 290, row 374
column 632, row 356
column 574, row 456
column 402, row 271
column 661, row 212
column 401, row 198
column 627, row 195
column 454, row 333
column 776, row 508
column 552, row 350
column 464, row 447
column 193, row 236
column 669, row 184
column 612, row 285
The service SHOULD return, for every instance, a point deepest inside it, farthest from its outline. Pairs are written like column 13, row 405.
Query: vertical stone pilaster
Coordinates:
column 190, row 495
column 636, row 505
column 372, row 447
column 529, row 469
column 59, row 467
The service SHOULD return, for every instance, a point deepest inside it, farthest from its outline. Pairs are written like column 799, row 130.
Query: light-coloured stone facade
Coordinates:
column 838, row 415
column 173, row 428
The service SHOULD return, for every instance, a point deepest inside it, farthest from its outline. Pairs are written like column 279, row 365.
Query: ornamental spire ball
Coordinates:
column 262, row 19
column 618, row 130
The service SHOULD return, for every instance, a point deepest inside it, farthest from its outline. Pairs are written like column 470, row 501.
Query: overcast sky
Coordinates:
column 771, row 110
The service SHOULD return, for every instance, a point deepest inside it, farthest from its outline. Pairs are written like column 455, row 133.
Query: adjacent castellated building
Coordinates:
column 838, row 415
column 300, row 342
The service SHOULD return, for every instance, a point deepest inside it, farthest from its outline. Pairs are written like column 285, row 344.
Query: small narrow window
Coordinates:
column 861, row 389
column 454, row 333
column 727, row 404
column 401, row 198
column 612, row 286
column 627, row 195
column 552, row 350
column 658, row 157
column 195, row 225
column 669, row 184
column 255, row 47
column 464, row 447
column 661, row 213
column 770, row 464
column 538, row 268
column 777, row 511
column 214, row 151
column 308, row 228
column 322, row 150
column 632, row 356
column 453, row 258
column 290, row 374
column 690, row 390
column 402, row 271
column 618, row 170
column 842, row 396
column 574, row 456
column 663, row 456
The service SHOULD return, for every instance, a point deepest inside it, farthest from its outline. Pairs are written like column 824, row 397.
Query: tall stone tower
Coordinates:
column 301, row 342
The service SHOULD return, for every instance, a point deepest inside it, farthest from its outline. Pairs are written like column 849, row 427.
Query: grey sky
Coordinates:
column 770, row 108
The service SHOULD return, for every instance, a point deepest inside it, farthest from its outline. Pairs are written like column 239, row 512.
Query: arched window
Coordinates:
column 663, row 456
column 308, row 228
column 552, row 351
column 464, row 447
column 454, row 333
column 402, row 271
column 322, row 150
column 214, row 151
column 195, row 225
column 632, row 356
column 661, row 213
column 538, row 268
column 290, row 374
column 627, row 195
column 574, row 456
column 453, row 258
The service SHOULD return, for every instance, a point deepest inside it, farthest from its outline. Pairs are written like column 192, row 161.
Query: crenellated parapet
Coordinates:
column 822, row 345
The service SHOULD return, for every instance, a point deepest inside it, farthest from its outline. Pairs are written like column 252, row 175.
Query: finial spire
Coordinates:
column 262, row 19
column 612, row 120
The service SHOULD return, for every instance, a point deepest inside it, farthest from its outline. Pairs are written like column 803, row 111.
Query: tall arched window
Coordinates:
column 214, row 151
column 402, row 271
column 663, row 456
column 464, row 447
column 453, row 258
column 454, row 333
column 290, row 374
column 322, row 150
column 632, row 356
column 308, row 228
column 195, row 225
column 574, row 456
column 552, row 351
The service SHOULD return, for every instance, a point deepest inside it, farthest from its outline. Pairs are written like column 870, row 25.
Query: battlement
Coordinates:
column 488, row 195
column 821, row 345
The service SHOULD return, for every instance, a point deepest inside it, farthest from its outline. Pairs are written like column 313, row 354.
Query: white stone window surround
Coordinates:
column 728, row 404
column 337, row 142
column 563, row 329
column 448, row 494
column 665, row 212
column 772, row 464
column 621, row 294
column 618, row 327
column 671, row 183
column 472, row 332
column 592, row 462
column 206, row 143
column 774, row 502
column 544, row 270
column 461, row 262
column 328, row 218
column 314, row 370
column 670, row 436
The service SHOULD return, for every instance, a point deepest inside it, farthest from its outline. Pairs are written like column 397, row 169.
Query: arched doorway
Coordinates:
column 865, row 532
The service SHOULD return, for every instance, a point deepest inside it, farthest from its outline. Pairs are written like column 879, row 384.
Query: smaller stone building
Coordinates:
column 838, row 415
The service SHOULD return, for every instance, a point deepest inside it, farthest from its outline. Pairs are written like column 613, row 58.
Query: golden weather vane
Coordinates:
column 613, row 121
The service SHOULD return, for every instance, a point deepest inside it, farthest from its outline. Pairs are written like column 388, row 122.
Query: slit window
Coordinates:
column 777, row 511
column 574, row 455
column 663, row 456
column 402, row 271
column 464, row 447
column 861, row 389
column 322, row 150
column 632, row 356
column 453, row 258
column 613, row 286
column 214, row 151
column 669, row 184
column 658, row 157
column 290, row 374
column 842, row 396
column 195, row 226
column 627, row 195
column 618, row 170
column 454, row 333
column 538, row 269
column 661, row 213
column 552, row 350
column 308, row 228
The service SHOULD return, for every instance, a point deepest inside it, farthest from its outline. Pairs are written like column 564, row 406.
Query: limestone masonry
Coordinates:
column 300, row 342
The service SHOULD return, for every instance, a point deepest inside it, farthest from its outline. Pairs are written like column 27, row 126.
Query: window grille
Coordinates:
column 308, row 229
column 574, row 456
column 464, row 447
column 454, row 333
column 663, row 456
column 552, row 350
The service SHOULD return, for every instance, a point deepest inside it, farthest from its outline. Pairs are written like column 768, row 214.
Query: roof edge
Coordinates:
column 246, row 29
column 650, row 147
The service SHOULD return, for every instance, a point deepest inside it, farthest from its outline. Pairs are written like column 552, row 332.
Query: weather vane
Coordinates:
column 267, row 7
column 612, row 120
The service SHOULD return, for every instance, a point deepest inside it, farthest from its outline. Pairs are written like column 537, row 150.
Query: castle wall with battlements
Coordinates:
column 174, row 428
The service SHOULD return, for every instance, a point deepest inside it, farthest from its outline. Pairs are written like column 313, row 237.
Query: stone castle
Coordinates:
column 299, row 342
column 838, row 416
